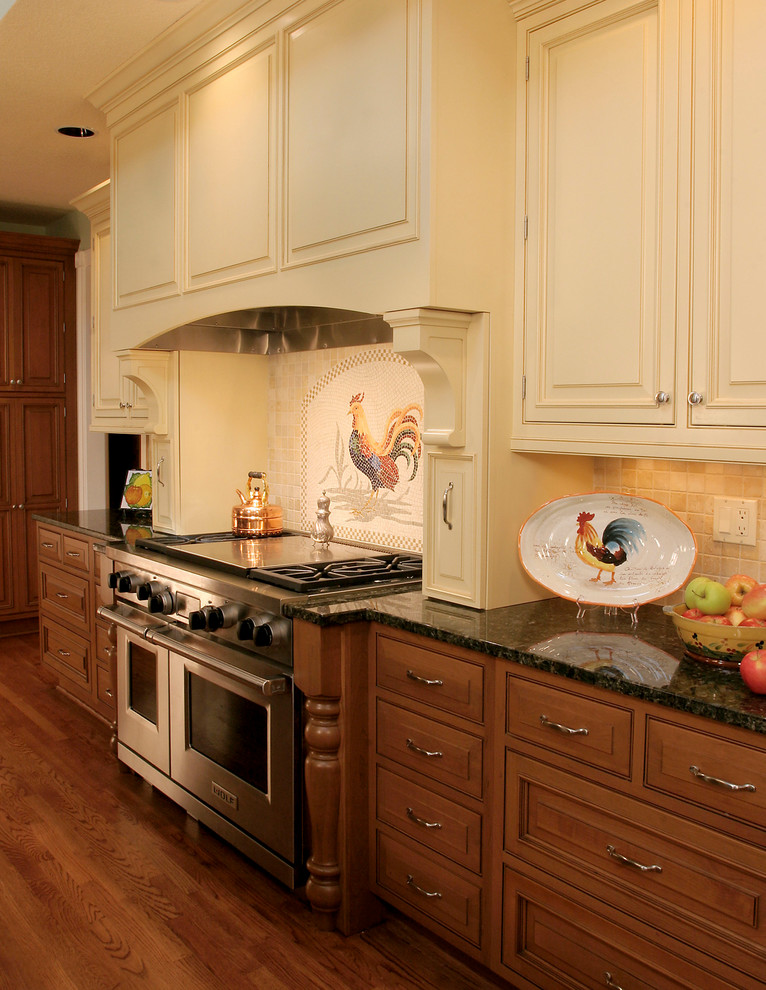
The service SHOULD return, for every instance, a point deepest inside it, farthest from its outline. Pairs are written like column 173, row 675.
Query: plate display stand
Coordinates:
column 611, row 610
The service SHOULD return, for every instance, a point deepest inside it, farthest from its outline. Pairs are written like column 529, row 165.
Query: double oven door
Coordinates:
column 218, row 726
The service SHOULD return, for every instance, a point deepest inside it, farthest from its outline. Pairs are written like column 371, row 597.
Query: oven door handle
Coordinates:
column 130, row 619
column 181, row 646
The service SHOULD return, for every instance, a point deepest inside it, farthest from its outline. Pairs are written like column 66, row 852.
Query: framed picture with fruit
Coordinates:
column 137, row 493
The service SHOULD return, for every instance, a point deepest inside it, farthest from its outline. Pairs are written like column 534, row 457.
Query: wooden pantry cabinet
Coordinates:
column 38, row 421
column 641, row 215
column 74, row 643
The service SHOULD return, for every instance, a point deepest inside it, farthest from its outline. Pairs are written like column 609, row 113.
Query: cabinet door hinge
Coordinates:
column 526, row 68
column 526, row 227
column 523, row 386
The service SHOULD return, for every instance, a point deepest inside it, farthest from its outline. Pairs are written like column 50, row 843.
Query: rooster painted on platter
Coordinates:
column 620, row 538
column 377, row 458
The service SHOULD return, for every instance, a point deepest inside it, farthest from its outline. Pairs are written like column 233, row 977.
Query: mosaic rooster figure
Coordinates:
column 620, row 538
column 377, row 459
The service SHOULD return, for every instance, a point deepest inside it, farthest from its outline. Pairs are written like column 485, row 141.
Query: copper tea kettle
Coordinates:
column 255, row 517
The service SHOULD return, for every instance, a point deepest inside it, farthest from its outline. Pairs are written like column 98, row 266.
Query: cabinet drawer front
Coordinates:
column 76, row 553
column 555, row 942
column 104, row 688
column 66, row 594
column 651, row 862
column 598, row 733
column 104, row 648
column 431, row 677
column 65, row 653
column 716, row 774
column 436, row 750
column 430, row 888
column 444, row 826
column 49, row 544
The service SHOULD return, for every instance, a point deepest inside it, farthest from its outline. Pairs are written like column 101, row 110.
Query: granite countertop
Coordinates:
column 107, row 524
column 645, row 661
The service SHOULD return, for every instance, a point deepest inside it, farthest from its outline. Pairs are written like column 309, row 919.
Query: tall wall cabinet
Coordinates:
column 38, row 429
column 641, row 213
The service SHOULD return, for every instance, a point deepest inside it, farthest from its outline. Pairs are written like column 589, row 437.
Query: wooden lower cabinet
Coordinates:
column 564, row 835
column 428, row 804
column 74, row 643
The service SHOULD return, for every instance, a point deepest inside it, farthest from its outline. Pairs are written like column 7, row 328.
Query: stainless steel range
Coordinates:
column 207, row 710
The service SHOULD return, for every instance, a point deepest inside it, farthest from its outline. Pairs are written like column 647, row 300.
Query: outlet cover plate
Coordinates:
column 735, row 520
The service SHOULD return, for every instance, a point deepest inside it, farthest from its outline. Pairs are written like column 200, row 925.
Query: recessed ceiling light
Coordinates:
column 76, row 131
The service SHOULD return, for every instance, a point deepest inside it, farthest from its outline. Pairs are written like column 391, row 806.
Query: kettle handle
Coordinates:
column 262, row 476
column 256, row 474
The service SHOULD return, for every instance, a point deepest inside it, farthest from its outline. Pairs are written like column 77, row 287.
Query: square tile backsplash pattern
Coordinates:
column 688, row 489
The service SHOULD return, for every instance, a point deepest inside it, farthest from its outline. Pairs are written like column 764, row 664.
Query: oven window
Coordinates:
column 229, row 730
column 142, row 682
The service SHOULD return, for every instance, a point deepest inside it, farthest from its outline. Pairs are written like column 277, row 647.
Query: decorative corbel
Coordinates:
column 150, row 371
column 435, row 342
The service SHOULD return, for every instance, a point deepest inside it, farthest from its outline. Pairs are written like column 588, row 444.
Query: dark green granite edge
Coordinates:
column 343, row 613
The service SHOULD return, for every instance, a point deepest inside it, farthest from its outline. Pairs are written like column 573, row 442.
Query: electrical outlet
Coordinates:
column 735, row 520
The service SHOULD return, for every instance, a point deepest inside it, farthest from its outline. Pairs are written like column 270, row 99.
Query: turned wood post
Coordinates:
column 323, row 784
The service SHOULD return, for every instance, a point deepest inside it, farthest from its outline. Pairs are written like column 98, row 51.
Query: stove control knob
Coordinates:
column 149, row 588
column 163, row 602
column 222, row 616
column 199, row 618
column 129, row 582
column 113, row 579
column 265, row 630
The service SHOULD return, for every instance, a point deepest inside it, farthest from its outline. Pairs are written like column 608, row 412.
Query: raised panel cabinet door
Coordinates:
column 40, row 359
column 728, row 354
column 232, row 172
column 600, row 173
column 145, row 198
column 352, row 124
column 42, row 453
column 5, row 323
column 451, row 566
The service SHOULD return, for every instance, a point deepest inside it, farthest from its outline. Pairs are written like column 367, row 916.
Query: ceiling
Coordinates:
column 52, row 53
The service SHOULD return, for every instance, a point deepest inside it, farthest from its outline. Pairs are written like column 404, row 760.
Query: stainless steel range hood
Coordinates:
column 276, row 330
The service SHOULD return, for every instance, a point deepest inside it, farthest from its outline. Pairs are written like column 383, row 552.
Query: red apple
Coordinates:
column 754, row 602
column 692, row 613
column 753, row 622
column 716, row 620
column 735, row 615
column 752, row 667
column 739, row 585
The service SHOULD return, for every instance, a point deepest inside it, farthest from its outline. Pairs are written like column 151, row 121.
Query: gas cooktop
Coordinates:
column 289, row 560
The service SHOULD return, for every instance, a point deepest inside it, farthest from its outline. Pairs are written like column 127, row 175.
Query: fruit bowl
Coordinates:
column 717, row 644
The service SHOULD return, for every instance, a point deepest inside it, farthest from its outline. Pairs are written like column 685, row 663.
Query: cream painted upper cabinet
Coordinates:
column 728, row 353
column 597, row 193
column 117, row 404
column 639, row 175
column 350, row 129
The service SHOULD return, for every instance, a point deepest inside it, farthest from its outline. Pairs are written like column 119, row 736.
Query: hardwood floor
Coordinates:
column 106, row 884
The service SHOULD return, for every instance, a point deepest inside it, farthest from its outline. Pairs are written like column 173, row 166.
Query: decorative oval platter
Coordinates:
column 619, row 655
column 605, row 548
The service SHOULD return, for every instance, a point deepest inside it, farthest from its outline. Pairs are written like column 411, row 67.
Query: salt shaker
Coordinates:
column 322, row 532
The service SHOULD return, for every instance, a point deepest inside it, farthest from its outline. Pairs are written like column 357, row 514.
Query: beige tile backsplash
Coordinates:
column 688, row 488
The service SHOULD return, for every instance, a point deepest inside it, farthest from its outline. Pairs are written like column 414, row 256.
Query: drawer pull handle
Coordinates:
column 421, row 821
column 73, row 553
column 425, row 893
column 60, row 594
column 424, row 752
column 632, row 862
column 47, row 546
column 696, row 772
column 610, row 982
column 424, row 680
column 544, row 720
column 63, row 653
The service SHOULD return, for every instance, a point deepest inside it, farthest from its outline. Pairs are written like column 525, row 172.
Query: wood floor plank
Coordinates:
column 105, row 884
